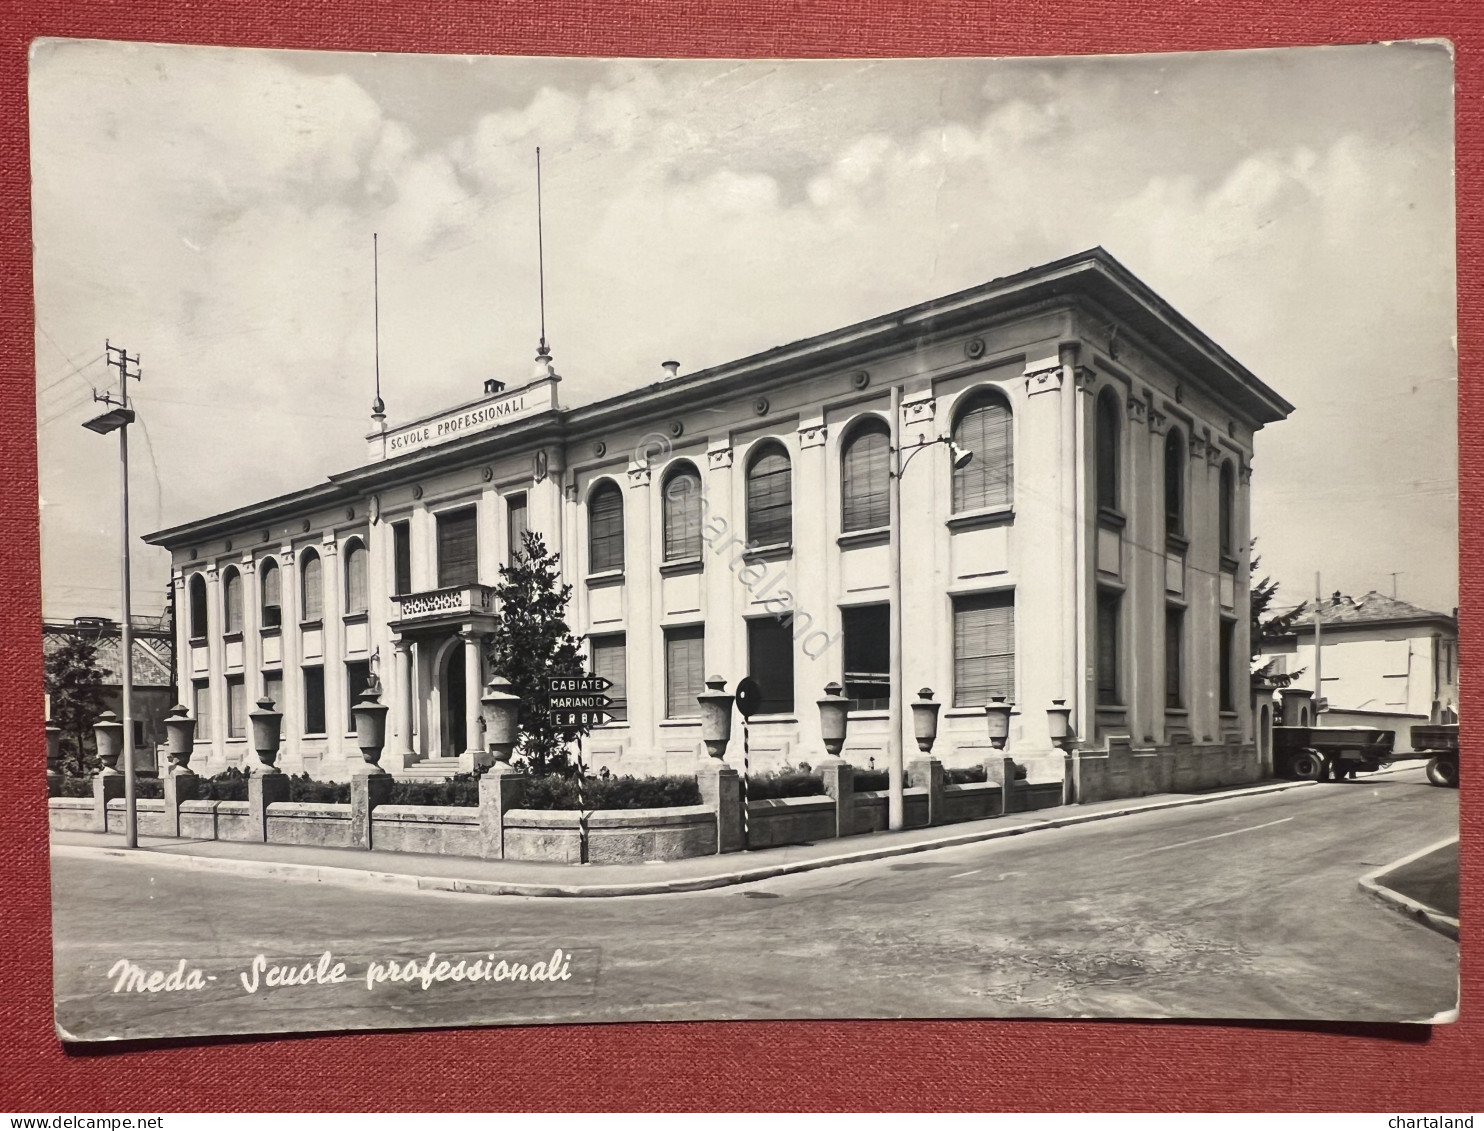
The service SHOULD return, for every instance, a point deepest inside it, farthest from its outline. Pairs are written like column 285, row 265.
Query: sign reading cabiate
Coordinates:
column 478, row 417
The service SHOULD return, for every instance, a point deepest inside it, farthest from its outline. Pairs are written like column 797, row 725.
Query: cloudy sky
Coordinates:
column 212, row 210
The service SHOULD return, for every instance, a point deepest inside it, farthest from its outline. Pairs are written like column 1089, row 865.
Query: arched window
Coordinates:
column 605, row 528
column 198, row 607
column 770, row 504
column 355, row 577
column 312, row 583
column 984, row 429
column 682, row 513
column 232, row 600
column 271, row 583
column 1108, row 428
column 1228, row 510
column 1174, row 483
column 864, row 477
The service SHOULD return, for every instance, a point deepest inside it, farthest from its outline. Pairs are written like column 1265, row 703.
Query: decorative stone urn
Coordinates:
column 180, row 737
column 109, row 734
column 267, row 725
column 716, row 717
column 925, row 720
column 834, row 714
column 501, row 709
column 997, row 712
column 370, row 715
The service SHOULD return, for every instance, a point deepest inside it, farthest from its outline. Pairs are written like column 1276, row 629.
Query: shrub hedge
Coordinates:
column 461, row 789
column 785, row 782
column 556, row 792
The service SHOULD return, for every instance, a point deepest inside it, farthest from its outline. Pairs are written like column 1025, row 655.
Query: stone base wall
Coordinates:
column 615, row 836
column 1127, row 771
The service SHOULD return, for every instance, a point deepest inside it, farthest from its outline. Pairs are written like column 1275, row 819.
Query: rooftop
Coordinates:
column 1373, row 608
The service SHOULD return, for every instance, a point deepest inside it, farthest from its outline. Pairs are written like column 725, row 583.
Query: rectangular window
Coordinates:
column 201, row 708
column 272, row 595
column 983, row 648
column 770, row 661
column 867, row 632
column 458, row 548
column 1107, row 647
column 1228, row 665
column 236, row 707
column 401, row 558
column 357, row 676
column 314, row 700
column 610, row 660
column 685, row 678
column 138, row 729
column 273, row 688
column 1174, row 657
column 516, row 524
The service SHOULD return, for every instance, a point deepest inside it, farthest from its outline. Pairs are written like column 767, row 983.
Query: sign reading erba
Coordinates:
column 478, row 417
column 578, row 701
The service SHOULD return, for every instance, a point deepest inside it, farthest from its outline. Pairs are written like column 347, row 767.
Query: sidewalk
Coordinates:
column 516, row 877
column 1423, row 886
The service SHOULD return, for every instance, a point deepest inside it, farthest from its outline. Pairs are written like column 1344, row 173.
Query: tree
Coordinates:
column 1270, row 629
column 531, row 642
column 75, row 683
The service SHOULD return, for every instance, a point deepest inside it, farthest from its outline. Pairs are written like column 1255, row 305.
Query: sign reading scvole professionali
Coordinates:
column 500, row 408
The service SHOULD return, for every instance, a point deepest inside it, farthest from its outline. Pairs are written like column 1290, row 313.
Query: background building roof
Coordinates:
column 153, row 654
column 1373, row 608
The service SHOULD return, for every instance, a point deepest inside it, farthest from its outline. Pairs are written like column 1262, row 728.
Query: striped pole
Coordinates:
column 581, row 806
column 746, row 816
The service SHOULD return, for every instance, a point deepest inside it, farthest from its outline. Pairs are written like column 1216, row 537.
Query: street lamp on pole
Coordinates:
column 117, row 419
column 895, row 802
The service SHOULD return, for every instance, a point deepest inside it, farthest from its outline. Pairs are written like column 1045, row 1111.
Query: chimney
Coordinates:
column 491, row 386
column 671, row 368
column 1336, row 599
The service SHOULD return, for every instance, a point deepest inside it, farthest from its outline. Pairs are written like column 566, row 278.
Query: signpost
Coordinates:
column 749, row 699
column 575, row 704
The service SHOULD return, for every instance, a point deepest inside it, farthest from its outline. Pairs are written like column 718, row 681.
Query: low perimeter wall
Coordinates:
column 498, row 828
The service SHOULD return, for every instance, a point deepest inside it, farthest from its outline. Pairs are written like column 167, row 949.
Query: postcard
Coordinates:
column 542, row 540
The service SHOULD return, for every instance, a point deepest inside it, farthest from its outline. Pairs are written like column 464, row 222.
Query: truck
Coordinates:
column 1441, row 741
column 1325, row 753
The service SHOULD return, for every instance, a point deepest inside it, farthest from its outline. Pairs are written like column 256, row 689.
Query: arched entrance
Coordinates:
column 451, row 695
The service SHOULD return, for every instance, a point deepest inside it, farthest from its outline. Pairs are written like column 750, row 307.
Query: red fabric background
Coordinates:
column 843, row 1065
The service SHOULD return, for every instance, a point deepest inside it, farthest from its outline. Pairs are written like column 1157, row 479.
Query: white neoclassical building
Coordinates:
column 1092, row 549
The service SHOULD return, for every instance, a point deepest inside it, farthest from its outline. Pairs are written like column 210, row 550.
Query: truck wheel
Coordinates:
column 1306, row 765
column 1444, row 772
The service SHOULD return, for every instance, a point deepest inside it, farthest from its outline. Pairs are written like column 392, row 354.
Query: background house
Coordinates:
column 1386, row 663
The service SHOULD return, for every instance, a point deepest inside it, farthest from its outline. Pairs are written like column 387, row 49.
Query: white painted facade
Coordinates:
column 1043, row 341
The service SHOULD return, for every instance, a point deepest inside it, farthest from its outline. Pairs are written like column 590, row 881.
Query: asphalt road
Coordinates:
column 1238, row 909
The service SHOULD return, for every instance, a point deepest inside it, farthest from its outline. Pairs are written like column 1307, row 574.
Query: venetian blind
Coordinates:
column 682, row 507
column 610, row 661
column 1107, row 451
column 988, row 479
column 1107, row 647
column 402, row 557
column 864, row 479
column 232, row 599
column 355, row 579
column 983, row 648
column 272, row 583
column 684, row 671
column 458, row 548
column 312, row 579
column 605, row 529
column 769, row 500
column 1174, row 659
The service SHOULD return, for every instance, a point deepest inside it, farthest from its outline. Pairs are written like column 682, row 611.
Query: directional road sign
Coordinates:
column 566, row 719
column 580, row 702
column 577, row 684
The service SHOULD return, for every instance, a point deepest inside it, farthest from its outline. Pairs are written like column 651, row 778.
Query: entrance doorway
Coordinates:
column 452, row 695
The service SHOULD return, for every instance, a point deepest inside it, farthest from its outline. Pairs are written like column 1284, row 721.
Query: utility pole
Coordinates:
column 118, row 418
column 1318, row 652
column 895, row 798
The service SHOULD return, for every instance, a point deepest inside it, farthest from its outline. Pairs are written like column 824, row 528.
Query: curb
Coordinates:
column 1429, row 917
column 365, row 877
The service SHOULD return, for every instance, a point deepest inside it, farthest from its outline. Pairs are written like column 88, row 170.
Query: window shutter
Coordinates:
column 605, row 529
column 201, row 690
column 769, row 500
column 682, row 507
column 770, row 661
column 236, row 708
column 1174, row 483
column 611, row 662
column 1228, row 490
column 1108, row 647
column 684, row 676
column 198, row 607
column 1107, row 453
column 232, row 598
column 314, row 700
column 516, row 526
column 272, row 582
column 988, row 479
column 983, row 649
column 458, row 548
column 314, row 589
column 355, row 580
column 865, row 480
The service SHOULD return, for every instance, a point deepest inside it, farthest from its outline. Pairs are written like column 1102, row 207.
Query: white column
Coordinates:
column 473, row 682
column 336, row 709
column 184, row 689
column 1045, row 606
column 807, row 584
column 216, row 652
column 292, row 706
column 252, row 675
column 402, row 699
column 644, row 640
